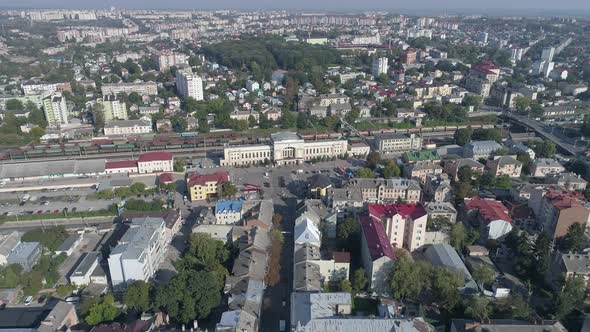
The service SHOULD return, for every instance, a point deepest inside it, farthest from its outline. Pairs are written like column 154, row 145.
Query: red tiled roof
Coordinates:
column 166, row 178
column 120, row 164
column 341, row 257
column 153, row 156
column 490, row 210
column 202, row 179
column 412, row 210
column 565, row 199
column 376, row 239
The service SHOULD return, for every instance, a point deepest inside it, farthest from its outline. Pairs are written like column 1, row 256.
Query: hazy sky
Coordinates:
column 481, row 6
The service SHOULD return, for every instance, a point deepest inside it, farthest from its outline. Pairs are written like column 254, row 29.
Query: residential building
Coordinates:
column 157, row 161
column 441, row 210
column 443, row 255
column 252, row 85
column 319, row 184
column 385, row 190
column 34, row 88
column 367, row 324
column 141, row 88
column 7, row 244
column 467, row 325
column 405, row 224
column 377, row 254
column 70, row 244
column 481, row 149
column 543, row 167
column 547, row 54
column 559, row 210
column 453, row 166
column 25, row 254
column 437, row 188
column 189, row 85
column 421, row 169
column 139, row 252
column 306, row 307
column 397, row 143
column 521, row 148
column 380, row 66
column 564, row 266
column 113, row 108
column 228, row 212
column 569, row 181
column 422, row 155
column 562, row 111
column 490, row 216
column 127, row 127
column 202, row 186
column 53, row 316
column 478, row 85
column 56, row 110
column 89, row 271
column 504, row 165
column 120, row 167
column 409, row 56
column 167, row 59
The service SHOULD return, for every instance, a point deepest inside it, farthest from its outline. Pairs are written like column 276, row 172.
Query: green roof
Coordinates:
column 421, row 155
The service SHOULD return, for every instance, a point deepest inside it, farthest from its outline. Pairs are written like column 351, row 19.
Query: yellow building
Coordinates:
column 201, row 186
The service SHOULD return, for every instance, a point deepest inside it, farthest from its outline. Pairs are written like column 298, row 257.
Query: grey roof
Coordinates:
column 139, row 238
column 368, row 324
column 507, row 160
column 570, row 178
column 546, row 162
column 350, row 193
column 483, row 146
column 127, row 123
column 398, row 183
column 507, row 325
column 392, row 136
column 309, row 306
column 577, row 263
column 86, row 264
column 445, row 256
column 424, row 165
column 319, row 181
column 69, row 242
column 467, row 162
column 250, row 263
column 440, row 207
column 306, row 277
column 8, row 243
column 38, row 318
column 49, row 168
column 284, row 136
column 236, row 320
column 23, row 251
column 306, row 252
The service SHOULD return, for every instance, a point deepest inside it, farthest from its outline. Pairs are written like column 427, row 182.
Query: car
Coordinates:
column 266, row 184
column 28, row 300
column 74, row 209
column 48, row 211
column 41, row 299
column 56, row 212
column 40, row 211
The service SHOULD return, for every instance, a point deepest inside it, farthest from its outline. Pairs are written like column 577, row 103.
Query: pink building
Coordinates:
column 405, row 224
column 491, row 215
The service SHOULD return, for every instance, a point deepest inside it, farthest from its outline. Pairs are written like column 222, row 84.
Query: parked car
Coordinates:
column 28, row 300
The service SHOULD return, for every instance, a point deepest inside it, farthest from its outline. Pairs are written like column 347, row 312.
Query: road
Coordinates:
column 565, row 143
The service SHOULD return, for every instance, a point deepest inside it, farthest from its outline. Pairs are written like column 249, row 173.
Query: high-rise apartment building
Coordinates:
column 547, row 54
column 113, row 108
column 167, row 59
column 56, row 110
column 189, row 85
column 380, row 66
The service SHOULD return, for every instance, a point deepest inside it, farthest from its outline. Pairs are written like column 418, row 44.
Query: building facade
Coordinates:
column 201, row 186
column 113, row 108
column 127, row 127
column 151, row 162
column 142, row 88
column 56, row 110
column 189, row 85
column 397, row 143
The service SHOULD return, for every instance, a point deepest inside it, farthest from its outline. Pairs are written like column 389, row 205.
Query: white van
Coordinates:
column 28, row 300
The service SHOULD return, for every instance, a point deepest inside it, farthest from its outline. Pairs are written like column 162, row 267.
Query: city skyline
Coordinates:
column 502, row 7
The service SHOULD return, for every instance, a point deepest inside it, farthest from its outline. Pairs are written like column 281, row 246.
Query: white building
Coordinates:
column 56, row 110
column 189, row 85
column 397, row 143
column 139, row 252
column 89, row 271
column 547, row 54
column 167, row 59
column 380, row 66
column 286, row 148
column 228, row 212
column 142, row 88
column 127, row 127
column 113, row 108
column 159, row 161
column 252, row 85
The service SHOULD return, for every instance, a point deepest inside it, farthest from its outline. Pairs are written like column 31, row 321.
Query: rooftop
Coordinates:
column 121, row 164
column 489, row 209
column 229, row 206
column 376, row 239
column 414, row 211
column 155, row 156
column 52, row 168
column 202, row 179
column 127, row 123
column 285, row 136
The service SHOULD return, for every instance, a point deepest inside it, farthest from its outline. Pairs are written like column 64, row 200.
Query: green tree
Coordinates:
column 179, row 165
column 14, row 105
column 365, row 173
column 484, row 274
column 408, row 279
column 98, row 117
column 578, row 166
column 465, row 174
column 206, row 252
column 36, row 115
column 345, row 286
column 391, row 170
column 445, row 287
column 570, row 297
column 493, row 134
column 463, row 136
column 574, row 240
column 102, row 311
column 522, row 103
column 359, row 280
column 228, row 190
column 179, row 123
column 348, row 230
column 302, row 120
column 288, row 120
column 137, row 295
column 373, row 159
column 478, row 308
column 458, row 236
column 36, row 133
column 541, row 252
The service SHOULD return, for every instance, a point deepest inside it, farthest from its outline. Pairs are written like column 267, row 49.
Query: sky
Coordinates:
column 504, row 7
